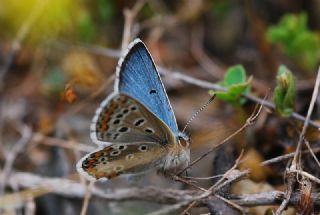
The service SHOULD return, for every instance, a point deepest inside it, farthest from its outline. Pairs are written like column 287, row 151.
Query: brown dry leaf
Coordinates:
column 69, row 95
column 252, row 160
column 82, row 69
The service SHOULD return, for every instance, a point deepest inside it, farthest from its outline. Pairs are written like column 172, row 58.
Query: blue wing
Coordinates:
column 138, row 77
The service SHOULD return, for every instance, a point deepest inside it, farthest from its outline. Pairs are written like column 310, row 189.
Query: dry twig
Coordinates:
column 87, row 198
column 11, row 156
column 287, row 156
column 71, row 189
column 295, row 168
column 129, row 16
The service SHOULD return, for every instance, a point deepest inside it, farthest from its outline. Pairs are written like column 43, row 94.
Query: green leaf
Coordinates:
column 285, row 92
column 236, row 83
column 234, row 75
column 296, row 40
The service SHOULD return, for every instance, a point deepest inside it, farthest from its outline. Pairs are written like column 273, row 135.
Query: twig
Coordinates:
column 307, row 175
column 129, row 15
column 312, row 152
column 286, row 157
column 197, row 51
column 114, row 53
column 232, row 204
column 294, row 164
column 178, row 178
column 11, row 156
column 51, row 141
column 87, row 198
column 295, row 168
column 218, row 185
column 186, row 211
column 71, row 189
column 289, row 191
column 202, row 178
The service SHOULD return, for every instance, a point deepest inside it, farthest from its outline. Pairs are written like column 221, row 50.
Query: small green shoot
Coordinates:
column 236, row 83
column 285, row 92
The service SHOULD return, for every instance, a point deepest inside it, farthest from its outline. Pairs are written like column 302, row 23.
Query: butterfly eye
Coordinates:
column 184, row 143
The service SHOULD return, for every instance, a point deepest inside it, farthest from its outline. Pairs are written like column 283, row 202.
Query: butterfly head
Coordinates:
column 184, row 139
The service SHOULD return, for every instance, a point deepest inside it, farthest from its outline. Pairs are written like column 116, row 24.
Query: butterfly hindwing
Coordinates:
column 122, row 119
column 139, row 78
column 119, row 159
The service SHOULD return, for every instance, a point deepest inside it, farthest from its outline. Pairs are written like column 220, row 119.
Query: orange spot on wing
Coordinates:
column 107, row 149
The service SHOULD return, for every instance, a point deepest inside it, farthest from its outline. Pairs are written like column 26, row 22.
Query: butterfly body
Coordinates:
column 135, row 126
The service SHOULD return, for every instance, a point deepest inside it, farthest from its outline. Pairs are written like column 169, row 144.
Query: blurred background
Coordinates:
column 57, row 63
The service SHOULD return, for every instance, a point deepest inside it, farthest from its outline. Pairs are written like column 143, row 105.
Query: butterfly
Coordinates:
column 135, row 126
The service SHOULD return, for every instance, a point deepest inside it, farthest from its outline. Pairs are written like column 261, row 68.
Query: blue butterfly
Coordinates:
column 135, row 125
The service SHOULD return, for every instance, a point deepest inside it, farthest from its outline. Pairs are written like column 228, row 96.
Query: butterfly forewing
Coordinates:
column 125, row 120
column 139, row 78
column 119, row 159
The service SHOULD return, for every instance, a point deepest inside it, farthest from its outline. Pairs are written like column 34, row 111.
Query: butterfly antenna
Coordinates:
column 198, row 111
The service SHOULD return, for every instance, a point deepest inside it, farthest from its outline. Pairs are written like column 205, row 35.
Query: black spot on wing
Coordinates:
column 152, row 91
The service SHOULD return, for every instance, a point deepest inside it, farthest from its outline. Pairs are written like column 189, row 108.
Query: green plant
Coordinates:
column 296, row 40
column 285, row 92
column 236, row 83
